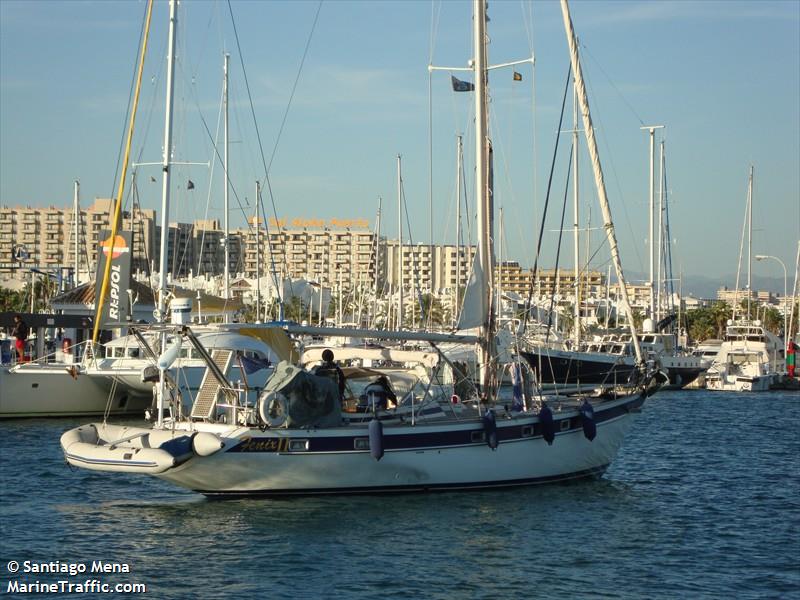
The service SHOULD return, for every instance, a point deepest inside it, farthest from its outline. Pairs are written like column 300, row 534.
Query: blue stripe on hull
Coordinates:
column 427, row 440
column 410, row 489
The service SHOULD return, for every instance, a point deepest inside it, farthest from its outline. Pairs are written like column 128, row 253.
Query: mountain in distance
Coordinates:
column 706, row 286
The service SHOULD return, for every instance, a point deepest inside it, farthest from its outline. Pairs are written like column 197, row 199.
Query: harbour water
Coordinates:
column 703, row 501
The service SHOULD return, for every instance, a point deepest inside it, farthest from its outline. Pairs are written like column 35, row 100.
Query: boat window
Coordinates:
column 184, row 353
column 298, row 445
column 478, row 436
column 133, row 353
column 119, row 352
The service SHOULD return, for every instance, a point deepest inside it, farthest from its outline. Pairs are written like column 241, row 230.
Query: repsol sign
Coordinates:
column 118, row 251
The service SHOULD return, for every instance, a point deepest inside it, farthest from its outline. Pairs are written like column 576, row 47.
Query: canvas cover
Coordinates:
column 312, row 401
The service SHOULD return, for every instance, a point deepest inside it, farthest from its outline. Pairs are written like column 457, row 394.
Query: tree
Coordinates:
column 11, row 300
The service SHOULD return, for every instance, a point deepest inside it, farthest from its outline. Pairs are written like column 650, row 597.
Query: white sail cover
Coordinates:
column 474, row 309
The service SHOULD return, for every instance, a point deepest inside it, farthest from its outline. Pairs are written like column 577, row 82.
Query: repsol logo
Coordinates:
column 113, row 305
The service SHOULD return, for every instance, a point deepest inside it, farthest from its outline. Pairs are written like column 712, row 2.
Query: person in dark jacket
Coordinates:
column 330, row 369
column 20, row 332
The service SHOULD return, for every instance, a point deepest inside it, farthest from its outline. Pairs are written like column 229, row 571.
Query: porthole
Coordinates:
column 527, row 431
column 478, row 436
column 298, row 445
column 361, row 443
column 565, row 425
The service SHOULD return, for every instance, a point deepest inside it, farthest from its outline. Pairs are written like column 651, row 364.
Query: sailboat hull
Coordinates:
column 558, row 367
column 33, row 390
column 417, row 459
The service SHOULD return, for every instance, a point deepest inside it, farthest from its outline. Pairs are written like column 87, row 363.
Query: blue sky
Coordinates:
column 724, row 77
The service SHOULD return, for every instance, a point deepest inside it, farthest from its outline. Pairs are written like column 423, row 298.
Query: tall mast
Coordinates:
column 598, row 173
column 377, row 260
column 226, row 149
column 76, row 212
column 484, row 200
column 165, row 163
column 575, row 225
column 258, row 255
column 499, row 285
column 651, row 210
column 162, row 276
column 749, row 239
column 660, row 252
column 459, row 167
column 399, row 245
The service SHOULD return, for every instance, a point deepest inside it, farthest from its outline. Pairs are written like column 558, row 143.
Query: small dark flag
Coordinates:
column 461, row 86
column 517, row 76
column 253, row 365
column 190, row 185
column 152, row 179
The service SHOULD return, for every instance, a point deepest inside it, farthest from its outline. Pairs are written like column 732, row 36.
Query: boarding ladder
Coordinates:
column 210, row 387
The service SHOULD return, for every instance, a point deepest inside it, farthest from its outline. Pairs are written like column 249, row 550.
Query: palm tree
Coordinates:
column 721, row 313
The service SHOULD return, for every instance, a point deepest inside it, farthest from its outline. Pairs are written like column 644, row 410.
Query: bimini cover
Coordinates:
column 311, row 401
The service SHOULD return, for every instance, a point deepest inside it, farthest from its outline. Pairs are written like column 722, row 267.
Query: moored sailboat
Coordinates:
column 297, row 440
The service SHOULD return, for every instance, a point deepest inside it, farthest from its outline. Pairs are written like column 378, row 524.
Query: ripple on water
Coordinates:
column 703, row 501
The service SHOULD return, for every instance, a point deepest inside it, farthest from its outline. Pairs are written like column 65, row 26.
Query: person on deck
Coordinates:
column 330, row 369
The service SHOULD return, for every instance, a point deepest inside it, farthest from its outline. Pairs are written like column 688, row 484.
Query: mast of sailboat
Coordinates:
column 484, row 201
column 165, row 168
column 118, row 204
column 226, row 149
column 651, row 211
column 749, row 239
column 459, row 166
column 399, row 245
column 257, row 225
column 790, row 328
column 376, row 278
column 499, row 286
column 76, row 213
column 598, row 173
column 660, row 252
column 575, row 225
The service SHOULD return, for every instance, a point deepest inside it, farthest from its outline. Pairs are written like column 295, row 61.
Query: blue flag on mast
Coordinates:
column 461, row 86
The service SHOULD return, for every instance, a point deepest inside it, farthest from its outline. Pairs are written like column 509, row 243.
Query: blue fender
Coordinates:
column 490, row 428
column 376, row 439
column 587, row 417
column 548, row 426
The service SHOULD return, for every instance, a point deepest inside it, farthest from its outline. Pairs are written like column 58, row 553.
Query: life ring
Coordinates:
column 273, row 408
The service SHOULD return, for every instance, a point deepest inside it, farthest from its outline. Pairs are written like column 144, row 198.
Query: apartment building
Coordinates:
column 332, row 255
column 327, row 255
column 45, row 237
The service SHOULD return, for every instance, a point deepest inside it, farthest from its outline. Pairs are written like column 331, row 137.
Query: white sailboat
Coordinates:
column 297, row 439
column 750, row 357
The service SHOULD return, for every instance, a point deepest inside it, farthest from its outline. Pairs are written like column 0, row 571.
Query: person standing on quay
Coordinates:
column 20, row 332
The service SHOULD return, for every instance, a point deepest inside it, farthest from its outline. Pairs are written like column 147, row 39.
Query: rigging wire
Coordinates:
column 285, row 116
column 534, row 273
column 558, row 247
